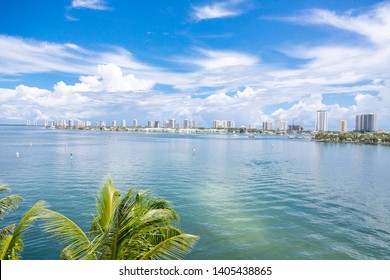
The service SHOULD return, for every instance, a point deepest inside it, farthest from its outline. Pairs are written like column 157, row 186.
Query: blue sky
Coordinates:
column 244, row 60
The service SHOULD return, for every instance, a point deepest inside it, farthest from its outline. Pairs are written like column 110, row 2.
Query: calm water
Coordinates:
column 247, row 198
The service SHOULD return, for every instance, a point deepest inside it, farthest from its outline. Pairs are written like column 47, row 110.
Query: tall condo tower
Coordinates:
column 366, row 122
column 322, row 120
column 343, row 126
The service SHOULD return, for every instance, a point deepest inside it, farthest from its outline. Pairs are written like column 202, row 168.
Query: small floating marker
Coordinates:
column 71, row 155
column 17, row 155
column 193, row 151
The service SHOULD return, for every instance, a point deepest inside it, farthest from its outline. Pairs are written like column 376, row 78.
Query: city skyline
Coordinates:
column 363, row 123
column 106, row 60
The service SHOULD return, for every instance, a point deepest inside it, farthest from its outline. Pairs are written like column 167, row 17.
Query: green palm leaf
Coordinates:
column 106, row 204
column 170, row 243
column 14, row 244
column 68, row 233
column 8, row 230
column 8, row 203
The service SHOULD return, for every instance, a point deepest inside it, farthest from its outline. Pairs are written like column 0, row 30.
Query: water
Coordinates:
column 247, row 198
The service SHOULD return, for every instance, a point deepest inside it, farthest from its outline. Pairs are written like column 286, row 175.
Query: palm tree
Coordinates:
column 11, row 242
column 131, row 226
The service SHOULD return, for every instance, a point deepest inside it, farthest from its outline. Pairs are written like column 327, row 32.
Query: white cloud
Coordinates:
column 79, row 101
column 90, row 4
column 218, row 10
column 25, row 56
column 221, row 59
column 109, row 78
column 372, row 24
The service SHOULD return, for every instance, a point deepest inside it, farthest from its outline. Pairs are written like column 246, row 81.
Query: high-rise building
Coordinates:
column 156, row 124
column 267, row 125
column 343, row 126
column 150, row 124
column 135, row 122
column 123, row 123
column 322, row 120
column 295, row 127
column 113, row 123
column 46, row 122
column 80, row 123
column 366, row 122
column 218, row 124
column 231, row 124
column 28, row 122
column 281, row 125
column 102, row 123
column 88, row 123
column 172, row 123
column 187, row 123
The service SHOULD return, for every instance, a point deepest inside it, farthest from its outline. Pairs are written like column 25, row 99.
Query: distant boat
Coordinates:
column 251, row 136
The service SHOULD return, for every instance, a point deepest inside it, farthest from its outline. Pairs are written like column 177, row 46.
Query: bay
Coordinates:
column 266, row 197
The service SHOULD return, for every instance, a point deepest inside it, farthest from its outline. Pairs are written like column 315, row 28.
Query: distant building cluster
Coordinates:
column 224, row 124
column 363, row 123
column 171, row 123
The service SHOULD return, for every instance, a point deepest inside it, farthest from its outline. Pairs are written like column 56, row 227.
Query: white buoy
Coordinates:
column 193, row 151
column 17, row 155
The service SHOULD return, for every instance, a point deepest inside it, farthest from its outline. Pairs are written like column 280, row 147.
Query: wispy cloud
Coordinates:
column 373, row 24
column 90, row 4
column 26, row 56
column 211, row 59
column 218, row 10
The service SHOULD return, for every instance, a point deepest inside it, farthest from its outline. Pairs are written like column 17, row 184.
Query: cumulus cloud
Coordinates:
column 78, row 101
column 109, row 78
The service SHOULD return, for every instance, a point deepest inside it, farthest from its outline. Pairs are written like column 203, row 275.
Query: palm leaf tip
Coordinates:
column 173, row 248
column 9, row 203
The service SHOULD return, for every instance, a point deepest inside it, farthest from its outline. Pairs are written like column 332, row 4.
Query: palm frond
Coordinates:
column 106, row 204
column 9, row 203
column 69, row 234
column 4, row 245
column 15, row 246
column 8, row 230
column 3, row 188
column 171, row 244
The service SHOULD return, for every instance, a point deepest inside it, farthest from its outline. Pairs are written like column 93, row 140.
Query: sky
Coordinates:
column 244, row 60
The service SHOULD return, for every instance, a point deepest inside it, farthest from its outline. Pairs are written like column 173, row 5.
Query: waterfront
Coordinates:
column 247, row 198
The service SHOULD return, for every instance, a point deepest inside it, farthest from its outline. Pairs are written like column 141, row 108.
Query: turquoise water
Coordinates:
column 247, row 198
